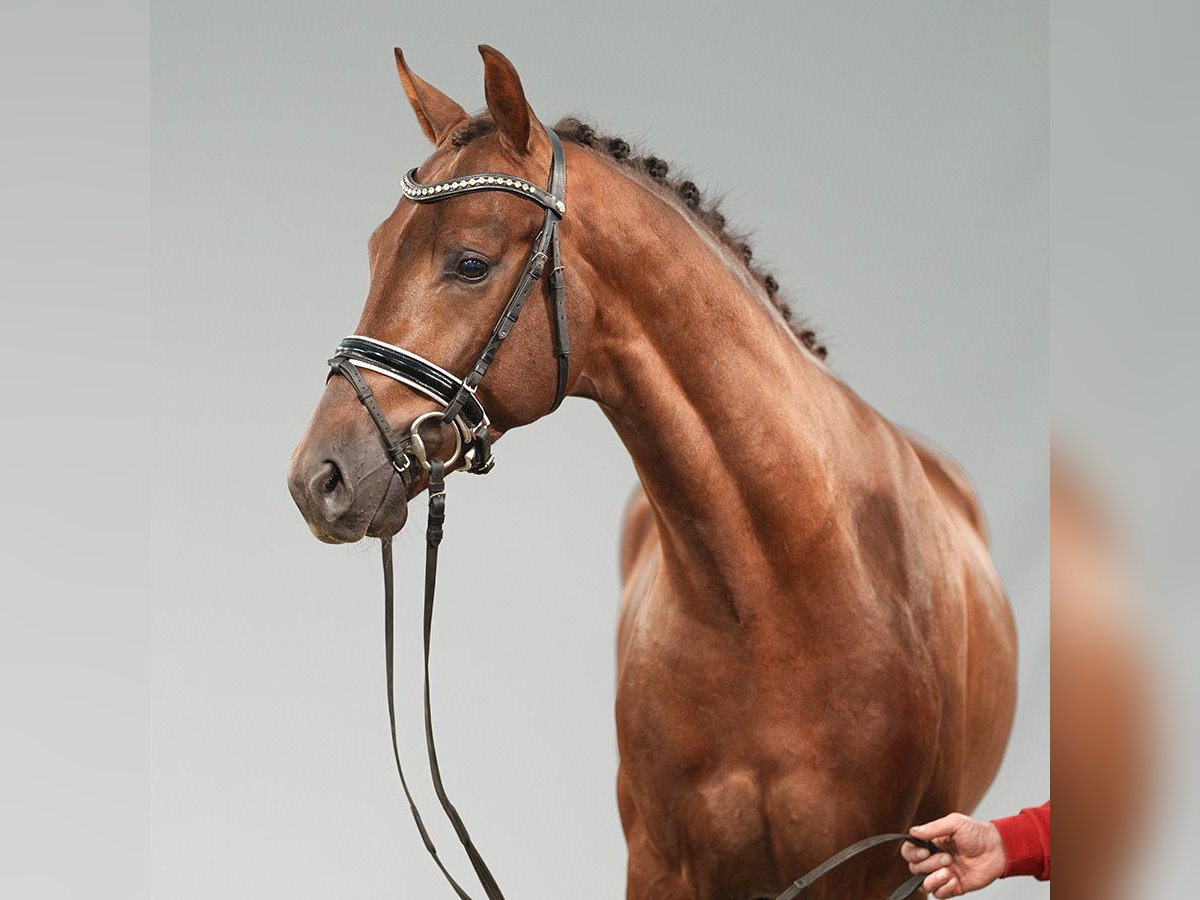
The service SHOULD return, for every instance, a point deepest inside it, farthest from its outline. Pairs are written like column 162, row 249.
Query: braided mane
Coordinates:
column 654, row 168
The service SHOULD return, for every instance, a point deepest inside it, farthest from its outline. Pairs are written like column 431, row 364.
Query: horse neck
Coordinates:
column 732, row 426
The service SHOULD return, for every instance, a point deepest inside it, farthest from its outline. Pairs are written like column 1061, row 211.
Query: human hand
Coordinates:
column 971, row 857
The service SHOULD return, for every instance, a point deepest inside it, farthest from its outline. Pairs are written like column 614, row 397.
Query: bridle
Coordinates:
column 462, row 411
column 465, row 414
column 462, row 408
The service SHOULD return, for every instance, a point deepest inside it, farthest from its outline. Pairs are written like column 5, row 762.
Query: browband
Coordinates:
column 485, row 181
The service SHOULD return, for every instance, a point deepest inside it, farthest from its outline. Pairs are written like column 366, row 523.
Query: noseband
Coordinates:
column 461, row 408
column 462, row 411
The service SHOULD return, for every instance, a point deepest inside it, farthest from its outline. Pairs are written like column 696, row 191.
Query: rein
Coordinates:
column 433, row 538
column 905, row 890
column 466, row 416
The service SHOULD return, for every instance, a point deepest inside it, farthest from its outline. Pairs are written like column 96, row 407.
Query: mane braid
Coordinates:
column 580, row 132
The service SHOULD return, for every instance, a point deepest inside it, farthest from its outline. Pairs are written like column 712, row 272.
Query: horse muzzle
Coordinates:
column 345, row 497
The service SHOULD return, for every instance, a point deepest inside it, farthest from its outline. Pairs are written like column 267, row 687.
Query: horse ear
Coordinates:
column 436, row 112
column 506, row 99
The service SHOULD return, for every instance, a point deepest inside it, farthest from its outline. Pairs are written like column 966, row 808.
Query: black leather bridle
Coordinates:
column 462, row 409
column 464, row 413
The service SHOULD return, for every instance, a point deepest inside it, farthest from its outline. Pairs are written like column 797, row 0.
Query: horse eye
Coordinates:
column 472, row 268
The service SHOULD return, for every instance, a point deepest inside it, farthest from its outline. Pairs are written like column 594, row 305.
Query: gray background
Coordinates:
column 913, row 231
column 166, row 611
column 1124, row 327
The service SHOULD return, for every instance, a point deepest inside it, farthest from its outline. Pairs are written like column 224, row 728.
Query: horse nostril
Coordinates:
column 332, row 478
column 331, row 494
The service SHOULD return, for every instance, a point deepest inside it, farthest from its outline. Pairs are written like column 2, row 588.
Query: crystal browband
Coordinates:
column 486, row 181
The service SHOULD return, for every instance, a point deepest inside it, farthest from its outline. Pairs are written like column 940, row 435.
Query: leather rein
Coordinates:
column 463, row 412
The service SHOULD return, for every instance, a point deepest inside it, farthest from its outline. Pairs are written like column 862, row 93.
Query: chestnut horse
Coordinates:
column 814, row 645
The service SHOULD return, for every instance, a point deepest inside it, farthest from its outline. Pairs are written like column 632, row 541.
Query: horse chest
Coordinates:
column 687, row 737
column 728, row 748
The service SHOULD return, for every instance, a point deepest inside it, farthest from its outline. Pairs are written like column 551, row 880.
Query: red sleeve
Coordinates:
column 1026, row 838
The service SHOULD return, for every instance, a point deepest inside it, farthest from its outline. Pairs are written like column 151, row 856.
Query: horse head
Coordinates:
column 448, row 280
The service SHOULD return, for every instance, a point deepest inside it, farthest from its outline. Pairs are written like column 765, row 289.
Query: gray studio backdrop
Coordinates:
column 912, row 229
